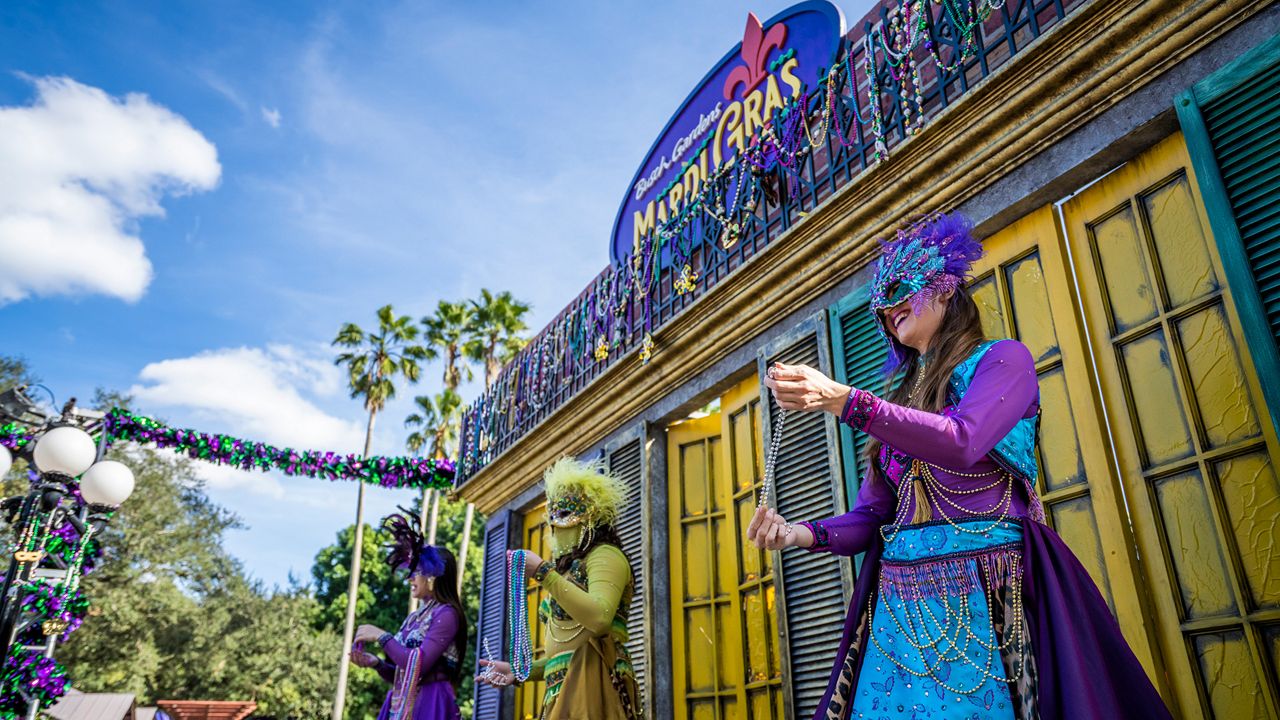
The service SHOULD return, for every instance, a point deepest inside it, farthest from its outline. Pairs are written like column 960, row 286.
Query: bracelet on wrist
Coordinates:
column 858, row 409
column 541, row 572
column 848, row 405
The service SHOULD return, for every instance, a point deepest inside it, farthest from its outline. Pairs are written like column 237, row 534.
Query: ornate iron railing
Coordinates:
column 620, row 310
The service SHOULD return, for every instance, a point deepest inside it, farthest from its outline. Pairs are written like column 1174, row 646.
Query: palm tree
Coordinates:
column 452, row 333
column 437, row 423
column 499, row 322
column 448, row 333
column 373, row 361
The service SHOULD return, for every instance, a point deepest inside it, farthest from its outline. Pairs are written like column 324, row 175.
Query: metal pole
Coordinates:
column 466, row 540
column 435, row 516
column 33, row 709
column 9, row 611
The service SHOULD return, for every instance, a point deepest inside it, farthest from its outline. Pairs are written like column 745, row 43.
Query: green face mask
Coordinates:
column 564, row 539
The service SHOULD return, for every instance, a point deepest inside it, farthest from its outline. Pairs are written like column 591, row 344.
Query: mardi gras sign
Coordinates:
column 774, row 63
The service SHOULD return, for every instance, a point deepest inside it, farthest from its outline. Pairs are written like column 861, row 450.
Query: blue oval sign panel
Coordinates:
column 775, row 62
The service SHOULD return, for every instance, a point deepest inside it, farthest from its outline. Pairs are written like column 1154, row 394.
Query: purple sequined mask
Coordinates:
column 930, row 258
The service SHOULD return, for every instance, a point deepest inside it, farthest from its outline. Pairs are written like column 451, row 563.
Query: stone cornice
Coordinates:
column 1100, row 54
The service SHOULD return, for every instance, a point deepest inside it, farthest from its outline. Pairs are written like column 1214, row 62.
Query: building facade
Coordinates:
column 1122, row 161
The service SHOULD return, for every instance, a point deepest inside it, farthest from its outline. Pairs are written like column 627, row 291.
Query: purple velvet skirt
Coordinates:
column 435, row 701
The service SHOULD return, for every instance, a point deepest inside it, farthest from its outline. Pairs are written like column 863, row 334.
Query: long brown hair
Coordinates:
column 445, row 591
column 957, row 337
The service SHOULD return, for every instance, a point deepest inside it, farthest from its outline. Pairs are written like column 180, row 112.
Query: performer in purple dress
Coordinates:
column 967, row 605
column 424, row 659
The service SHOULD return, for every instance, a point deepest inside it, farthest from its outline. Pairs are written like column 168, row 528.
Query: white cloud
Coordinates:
column 78, row 168
column 227, row 478
column 261, row 394
column 272, row 116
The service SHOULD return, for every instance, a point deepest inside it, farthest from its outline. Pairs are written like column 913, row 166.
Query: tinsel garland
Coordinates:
column 30, row 678
column 27, row 676
column 14, row 436
column 389, row 472
column 50, row 602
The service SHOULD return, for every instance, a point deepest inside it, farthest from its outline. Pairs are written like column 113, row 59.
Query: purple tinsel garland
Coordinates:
column 389, row 472
column 30, row 677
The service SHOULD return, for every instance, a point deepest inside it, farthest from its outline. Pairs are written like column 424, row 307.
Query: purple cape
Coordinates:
column 1086, row 668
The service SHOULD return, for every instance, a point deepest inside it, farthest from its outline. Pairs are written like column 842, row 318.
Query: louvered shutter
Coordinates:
column 1230, row 121
column 812, row 585
column 860, row 353
column 487, row 701
column 1244, row 127
column 626, row 464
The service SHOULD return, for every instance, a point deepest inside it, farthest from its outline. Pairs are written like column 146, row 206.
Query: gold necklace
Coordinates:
column 915, row 387
column 552, row 626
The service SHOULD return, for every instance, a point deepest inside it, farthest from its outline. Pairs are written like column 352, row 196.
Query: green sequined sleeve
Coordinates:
column 608, row 573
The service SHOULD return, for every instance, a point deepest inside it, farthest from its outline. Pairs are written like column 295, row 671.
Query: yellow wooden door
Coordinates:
column 1023, row 291
column 1196, row 455
column 536, row 538
column 724, row 628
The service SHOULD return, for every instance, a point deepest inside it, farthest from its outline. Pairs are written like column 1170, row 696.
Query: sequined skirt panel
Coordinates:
column 947, row 638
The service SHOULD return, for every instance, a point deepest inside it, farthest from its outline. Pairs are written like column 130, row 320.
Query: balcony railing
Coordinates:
column 618, row 313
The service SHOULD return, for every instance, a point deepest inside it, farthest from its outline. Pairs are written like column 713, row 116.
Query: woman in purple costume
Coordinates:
column 424, row 659
column 967, row 605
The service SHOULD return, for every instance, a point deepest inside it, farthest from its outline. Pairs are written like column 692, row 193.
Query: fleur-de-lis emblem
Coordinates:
column 756, row 46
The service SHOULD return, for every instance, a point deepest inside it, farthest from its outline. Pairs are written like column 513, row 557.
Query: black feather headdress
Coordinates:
column 408, row 549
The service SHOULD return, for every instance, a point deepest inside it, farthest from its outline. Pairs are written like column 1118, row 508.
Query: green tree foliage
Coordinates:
column 384, row 597
column 15, row 371
column 448, row 333
column 173, row 615
column 437, row 422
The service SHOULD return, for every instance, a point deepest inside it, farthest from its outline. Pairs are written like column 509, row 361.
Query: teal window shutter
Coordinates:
column 1231, row 123
column 859, row 352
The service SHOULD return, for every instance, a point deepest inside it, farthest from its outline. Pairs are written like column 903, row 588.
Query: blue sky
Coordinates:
column 198, row 195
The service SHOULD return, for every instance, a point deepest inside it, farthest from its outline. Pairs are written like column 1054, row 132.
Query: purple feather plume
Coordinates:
column 905, row 259
column 406, row 542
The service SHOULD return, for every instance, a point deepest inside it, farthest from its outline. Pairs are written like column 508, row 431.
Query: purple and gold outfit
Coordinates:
column 422, row 660
column 981, row 611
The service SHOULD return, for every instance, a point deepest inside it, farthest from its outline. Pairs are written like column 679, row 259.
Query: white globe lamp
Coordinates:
column 65, row 450
column 107, row 483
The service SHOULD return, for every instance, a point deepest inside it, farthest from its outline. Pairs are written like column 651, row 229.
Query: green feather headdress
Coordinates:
column 582, row 493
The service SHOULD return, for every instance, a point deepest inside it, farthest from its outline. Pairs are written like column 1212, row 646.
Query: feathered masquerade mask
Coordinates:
column 930, row 258
column 408, row 549
column 582, row 493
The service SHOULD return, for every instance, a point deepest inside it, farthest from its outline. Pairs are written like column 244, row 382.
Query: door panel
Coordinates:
column 1023, row 291
column 534, row 536
column 726, row 662
column 1184, row 406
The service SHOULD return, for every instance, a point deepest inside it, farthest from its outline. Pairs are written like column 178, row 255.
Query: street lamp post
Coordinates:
column 62, row 451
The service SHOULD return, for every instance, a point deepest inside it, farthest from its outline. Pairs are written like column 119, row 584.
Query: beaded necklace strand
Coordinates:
column 518, row 617
column 490, row 674
column 771, row 461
